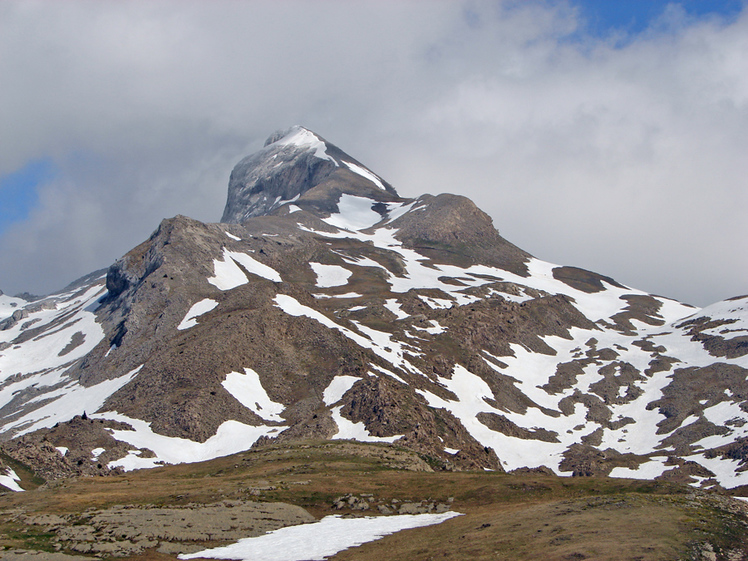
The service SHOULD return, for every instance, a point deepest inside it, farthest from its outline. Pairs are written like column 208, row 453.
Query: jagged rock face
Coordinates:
column 345, row 311
column 291, row 163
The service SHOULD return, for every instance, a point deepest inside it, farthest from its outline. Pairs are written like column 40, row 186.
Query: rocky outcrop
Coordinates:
column 292, row 162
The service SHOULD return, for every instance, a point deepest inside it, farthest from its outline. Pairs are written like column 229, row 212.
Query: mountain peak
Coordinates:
column 295, row 135
column 292, row 162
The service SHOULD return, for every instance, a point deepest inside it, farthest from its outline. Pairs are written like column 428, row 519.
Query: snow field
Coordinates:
column 71, row 400
column 319, row 540
column 231, row 437
column 421, row 275
column 9, row 304
column 471, row 393
column 355, row 213
column 532, row 370
column 648, row 470
column 48, row 351
column 733, row 311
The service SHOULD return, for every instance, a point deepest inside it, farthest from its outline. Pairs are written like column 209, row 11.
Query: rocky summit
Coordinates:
column 325, row 306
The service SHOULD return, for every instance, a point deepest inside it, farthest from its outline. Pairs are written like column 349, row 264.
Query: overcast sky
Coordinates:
column 608, row 135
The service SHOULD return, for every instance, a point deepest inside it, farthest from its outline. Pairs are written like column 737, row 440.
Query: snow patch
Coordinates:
column 337, row 388
column 319, row 540
column 394, row 306
column 197, row 309
column 231, row 437
column 68, row 402
column 329, row 276
column 306, row 139
column 365, row 173
column 348, row 430
column 228, row 275
column 247, row 390
column 648, row 470
column 354, row 213
column 10, row 480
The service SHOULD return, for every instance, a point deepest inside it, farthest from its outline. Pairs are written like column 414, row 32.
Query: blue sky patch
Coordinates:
column 19, row 191
column 604, row 17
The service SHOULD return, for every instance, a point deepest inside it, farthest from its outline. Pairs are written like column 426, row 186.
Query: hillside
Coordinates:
column 326, row 307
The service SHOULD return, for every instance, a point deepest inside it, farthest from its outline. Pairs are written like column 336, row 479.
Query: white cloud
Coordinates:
column 630, row 160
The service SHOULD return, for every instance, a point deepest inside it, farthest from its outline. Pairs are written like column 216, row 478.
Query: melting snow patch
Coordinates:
column 648, row 470
column 70, row 401
column 435, row 328
column 230, row 438
column 62, row 450
column 320, row 540
column 363, row 172
column 394, row 306
column 330, row 275
column 338, row 388
column 228, row 274
column 379, row 342
column 10, row 480
column 348, row 430
column 247, row 390
column 725, row 470
column 197, row 309
column 355, row 213
column 233, row 237
column 436, row 303
column 389, row 373
column 346, row 295
column 395, row 210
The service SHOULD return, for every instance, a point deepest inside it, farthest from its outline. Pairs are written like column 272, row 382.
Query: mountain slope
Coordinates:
column 327, row 306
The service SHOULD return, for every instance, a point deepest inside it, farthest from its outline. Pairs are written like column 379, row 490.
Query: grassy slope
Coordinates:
column 505, row 516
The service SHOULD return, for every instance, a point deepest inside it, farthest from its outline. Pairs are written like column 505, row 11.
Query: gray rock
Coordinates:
column 15, row 317
column 292, row 162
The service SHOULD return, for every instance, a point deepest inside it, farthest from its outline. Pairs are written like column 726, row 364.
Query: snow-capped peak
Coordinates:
column 302, row 138
column 293, row 162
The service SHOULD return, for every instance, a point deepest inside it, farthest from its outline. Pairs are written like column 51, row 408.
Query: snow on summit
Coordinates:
column 300, row 137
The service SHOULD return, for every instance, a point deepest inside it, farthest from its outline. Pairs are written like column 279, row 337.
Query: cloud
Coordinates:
column 628, row 159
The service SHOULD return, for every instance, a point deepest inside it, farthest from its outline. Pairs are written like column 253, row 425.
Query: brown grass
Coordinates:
column 505, row 516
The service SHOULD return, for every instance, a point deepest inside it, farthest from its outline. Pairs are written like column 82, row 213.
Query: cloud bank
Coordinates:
column 621, row 154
